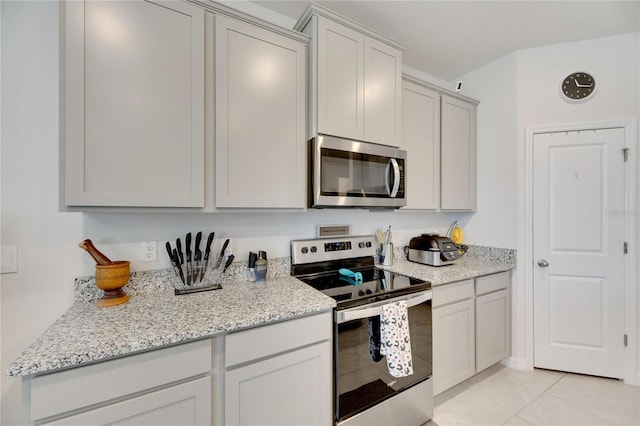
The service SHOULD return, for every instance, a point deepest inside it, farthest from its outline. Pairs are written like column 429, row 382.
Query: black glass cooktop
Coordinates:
column 376, row 285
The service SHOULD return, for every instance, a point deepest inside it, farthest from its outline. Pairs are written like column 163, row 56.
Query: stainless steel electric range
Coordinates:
column 365, row 391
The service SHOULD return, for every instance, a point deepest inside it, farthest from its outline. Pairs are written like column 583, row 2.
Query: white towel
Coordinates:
column 395, row 341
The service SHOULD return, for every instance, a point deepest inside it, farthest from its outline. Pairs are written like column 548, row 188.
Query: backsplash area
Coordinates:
column 144, row 282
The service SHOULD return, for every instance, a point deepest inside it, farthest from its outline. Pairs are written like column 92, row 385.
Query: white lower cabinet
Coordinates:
column 184, row 404
column 162, row 387
column 453, row 335
column 277, row 374
column 493, row 320
column 471, row 328
column 286, row 380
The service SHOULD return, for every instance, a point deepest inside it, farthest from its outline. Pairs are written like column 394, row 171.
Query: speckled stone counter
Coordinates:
column 150, row 320
column 477, row 262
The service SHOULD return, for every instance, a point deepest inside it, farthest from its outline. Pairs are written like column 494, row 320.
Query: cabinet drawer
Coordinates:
column 184, row 404
column 261, row 342
column 449, row 293
column 76, row 388
column 494, row 282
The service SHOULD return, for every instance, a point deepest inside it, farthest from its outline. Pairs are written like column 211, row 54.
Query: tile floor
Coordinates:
column 504, row 396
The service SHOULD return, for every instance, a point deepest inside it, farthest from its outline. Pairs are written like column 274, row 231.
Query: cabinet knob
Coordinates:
column 543, row 263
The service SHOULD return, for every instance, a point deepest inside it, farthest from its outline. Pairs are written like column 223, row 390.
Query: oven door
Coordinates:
column 348, row 173
column 362, row 378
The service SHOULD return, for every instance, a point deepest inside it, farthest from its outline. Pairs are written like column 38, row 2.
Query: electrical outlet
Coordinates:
column 149, row 251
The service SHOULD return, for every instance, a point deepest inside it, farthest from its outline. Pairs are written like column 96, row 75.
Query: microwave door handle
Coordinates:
column 386, row 176
column 372, row 311
column 396, row 178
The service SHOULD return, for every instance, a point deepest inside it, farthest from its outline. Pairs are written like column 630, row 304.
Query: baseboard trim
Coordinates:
column 517, row 363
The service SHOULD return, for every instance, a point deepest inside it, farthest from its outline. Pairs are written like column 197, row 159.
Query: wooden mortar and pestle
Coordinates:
column 110, row 276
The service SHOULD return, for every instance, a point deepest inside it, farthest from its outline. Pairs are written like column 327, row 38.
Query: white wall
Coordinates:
column 49, row 258
column 521, row 90
column 495, row 86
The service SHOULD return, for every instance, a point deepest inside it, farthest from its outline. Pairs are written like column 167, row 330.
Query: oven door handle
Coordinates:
column 376, row 308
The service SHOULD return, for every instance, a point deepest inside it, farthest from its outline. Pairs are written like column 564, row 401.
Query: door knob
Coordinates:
column 543, row 263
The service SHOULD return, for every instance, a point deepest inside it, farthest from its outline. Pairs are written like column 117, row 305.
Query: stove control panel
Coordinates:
column 325, row 249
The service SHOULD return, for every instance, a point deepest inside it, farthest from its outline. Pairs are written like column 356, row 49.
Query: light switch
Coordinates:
column 9, row 256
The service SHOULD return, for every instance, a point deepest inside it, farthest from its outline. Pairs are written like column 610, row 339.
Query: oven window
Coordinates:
column 362, row 376
column 355, row 174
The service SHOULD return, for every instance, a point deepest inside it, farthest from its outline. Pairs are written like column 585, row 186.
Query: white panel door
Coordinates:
column 340, row 80
column 382, row 92
column 421, row 140
column 458, row 155
column 289, row 389
column 184, row 404
column 578, row 247
column 260, row 117
column 454, row 340
column 134, row 104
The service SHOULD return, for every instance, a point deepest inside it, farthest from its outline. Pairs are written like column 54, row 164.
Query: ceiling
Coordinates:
column 448, row 39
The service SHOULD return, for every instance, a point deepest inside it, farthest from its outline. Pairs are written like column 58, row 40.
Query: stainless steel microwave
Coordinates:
column 350, row 173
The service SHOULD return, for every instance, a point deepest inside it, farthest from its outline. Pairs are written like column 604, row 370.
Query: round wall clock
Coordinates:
column 578, row 86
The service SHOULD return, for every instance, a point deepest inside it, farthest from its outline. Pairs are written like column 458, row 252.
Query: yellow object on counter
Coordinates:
column 456, row 235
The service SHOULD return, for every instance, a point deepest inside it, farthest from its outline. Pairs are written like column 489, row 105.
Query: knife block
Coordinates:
column 111, row 279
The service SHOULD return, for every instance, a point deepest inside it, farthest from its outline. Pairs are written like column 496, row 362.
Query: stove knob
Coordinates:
column 314, row 249
column 368, row 244
column 361, row 244
column 305, row 250
column 360, row 293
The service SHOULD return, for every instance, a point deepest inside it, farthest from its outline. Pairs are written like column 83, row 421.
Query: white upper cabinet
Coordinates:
column 260, row 106
column 340, row 88
column 458, row 155
column 421, row 140
column 382, row 92
column 134, row 104
column 355, row 79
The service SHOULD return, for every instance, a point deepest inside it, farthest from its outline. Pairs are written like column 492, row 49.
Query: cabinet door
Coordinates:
column 382, row 93
column 340, row 80
column 453, row 344
column 421, row 140
column 289, row 389
column 260, row 117
column 458, row 155
column 493, row 328
column 134, row 104
column 185, row 404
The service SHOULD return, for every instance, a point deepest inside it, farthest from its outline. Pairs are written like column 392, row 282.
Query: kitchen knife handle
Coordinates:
column 207, row 249
column 224, row 247
column 188, row 246
column 226, row 265
column 179, row 249
column 175, row 255
column 197, row 245
column 170, row 252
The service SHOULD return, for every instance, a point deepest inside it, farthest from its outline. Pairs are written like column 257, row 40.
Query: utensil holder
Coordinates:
column 388, row 257
column 199, row 280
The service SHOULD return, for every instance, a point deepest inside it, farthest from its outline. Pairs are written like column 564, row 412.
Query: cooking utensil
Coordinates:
column 188, row 253
column 207, row 252
column 221, row 256
column 175, row 261
column 179, row 250
column 96, row 254
column 354, row 278
column 226, row 265
column 198, row 257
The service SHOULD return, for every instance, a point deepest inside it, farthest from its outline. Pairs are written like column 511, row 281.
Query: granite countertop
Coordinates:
column 465, row 268
column 87, row 333
column 154, row 317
